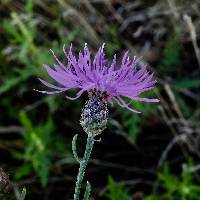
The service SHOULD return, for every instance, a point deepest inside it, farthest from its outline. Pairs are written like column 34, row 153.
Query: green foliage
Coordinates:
column 181, row 187
column 188, row 83
column 23, row 49
column 134, row 126
column 173, row 187
column 171, row 55
column 22, row 194
column 185, row 108
column 114, row 44
column 117, row 191
column 134, row 123
column 189, row 110
column 40, row 147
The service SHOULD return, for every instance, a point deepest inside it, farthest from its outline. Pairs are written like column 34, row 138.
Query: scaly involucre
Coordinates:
column 86, row 74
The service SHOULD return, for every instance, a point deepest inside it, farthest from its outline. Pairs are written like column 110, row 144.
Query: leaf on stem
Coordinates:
column 87, row 191
column 74, row 150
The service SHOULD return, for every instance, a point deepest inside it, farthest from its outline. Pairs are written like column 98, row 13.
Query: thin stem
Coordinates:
column 87, row 191
column 83, row 164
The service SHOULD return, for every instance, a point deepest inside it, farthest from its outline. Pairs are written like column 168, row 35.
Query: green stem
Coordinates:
column 83, row 164
column 87, row 191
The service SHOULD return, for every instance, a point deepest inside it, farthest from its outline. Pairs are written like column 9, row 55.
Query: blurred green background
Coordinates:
column 152, row 156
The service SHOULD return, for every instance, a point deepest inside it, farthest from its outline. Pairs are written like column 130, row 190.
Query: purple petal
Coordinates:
column 122, row 103
column 59, row 62
column 146, row 99
column 81, row 92
column 60, row 77
column 50, row 85
column 47, row 92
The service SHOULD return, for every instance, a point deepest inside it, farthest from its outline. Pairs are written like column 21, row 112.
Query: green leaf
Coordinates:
column 188, row 83
column 11, row 82
column 87, row 191
column 23, row 170
column 176, row 187
column 23, row 194
column 171, row 55
column 40, row 147
column 117, row 191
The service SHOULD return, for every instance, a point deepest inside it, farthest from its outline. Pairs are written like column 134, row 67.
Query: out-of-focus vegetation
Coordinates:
column 41, row 146
column 174, row 187
column 183, row 187
column 117, row 191
column 36, row 129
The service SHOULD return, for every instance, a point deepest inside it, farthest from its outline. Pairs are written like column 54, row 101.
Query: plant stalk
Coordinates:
column 83, row 165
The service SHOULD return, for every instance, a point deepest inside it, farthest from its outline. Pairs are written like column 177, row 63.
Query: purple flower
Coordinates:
column 86, row 74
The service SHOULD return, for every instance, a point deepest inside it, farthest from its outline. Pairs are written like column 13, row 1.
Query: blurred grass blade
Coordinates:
column 188, row 83
column 9, row 83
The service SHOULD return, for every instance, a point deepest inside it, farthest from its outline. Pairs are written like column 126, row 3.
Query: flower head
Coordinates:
column 94, row 115
column 87, row 74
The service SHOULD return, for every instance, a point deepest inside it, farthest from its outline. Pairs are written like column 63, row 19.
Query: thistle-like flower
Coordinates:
column 104, row 83
column 109, row 80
